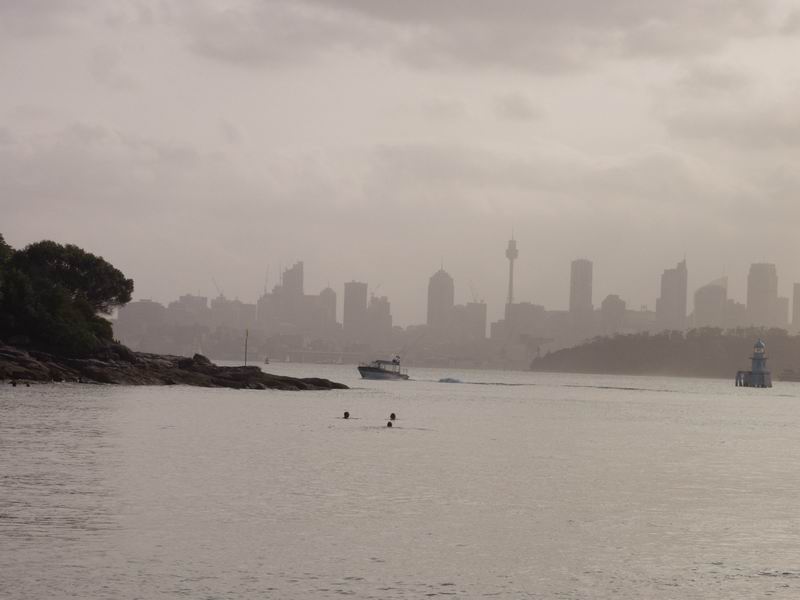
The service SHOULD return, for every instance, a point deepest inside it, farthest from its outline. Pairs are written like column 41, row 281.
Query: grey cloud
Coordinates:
column 38, row 17
column 665, row 38
column 31, row 112
column 229, row 132
column 444, row 108
column 744, row 128
column 516, row 107
column 535, row 36
column 710, row 79
column 269, row 33
column 105, row 65
column 653, row 185
column 792, row 24
column 780, row 184
column 582, row 12
column 511, row 46
column 138, row 13
column 93, row 166
column 470, row 170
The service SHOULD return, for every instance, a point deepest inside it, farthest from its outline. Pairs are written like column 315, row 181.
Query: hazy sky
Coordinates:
column 191, row 140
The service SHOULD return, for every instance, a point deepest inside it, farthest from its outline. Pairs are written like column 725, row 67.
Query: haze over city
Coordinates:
column 375, row 141
column 395, row 299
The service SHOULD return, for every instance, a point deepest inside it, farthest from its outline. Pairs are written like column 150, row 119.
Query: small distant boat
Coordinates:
column 383, row 369
column 266, row 360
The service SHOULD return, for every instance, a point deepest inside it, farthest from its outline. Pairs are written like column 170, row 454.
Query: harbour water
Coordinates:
column 507, row 485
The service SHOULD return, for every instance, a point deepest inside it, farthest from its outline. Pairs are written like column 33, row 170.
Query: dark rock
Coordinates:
column 117, row 364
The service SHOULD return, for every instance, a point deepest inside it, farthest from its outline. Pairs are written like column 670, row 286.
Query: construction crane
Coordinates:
column 216, row 285
column 475, row 298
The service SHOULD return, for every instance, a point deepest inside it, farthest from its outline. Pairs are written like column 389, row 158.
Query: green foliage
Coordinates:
column 5, row 254
column 84, row 276
column 5, row 251
column 52, row 297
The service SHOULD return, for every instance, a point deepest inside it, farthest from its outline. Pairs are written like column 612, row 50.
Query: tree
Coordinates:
column 84, row 276
column 53, row 296
column 5, row 251
column 5, row 254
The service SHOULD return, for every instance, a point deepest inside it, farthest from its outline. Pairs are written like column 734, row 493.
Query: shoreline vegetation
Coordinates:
column 53, row 299
column 703, row 352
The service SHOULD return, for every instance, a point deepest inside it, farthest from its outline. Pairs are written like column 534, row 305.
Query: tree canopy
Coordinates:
column 702, row 352
column 5, row 250
column 53, row 296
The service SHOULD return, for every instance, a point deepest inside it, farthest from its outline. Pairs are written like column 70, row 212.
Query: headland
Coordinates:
column 117, row 364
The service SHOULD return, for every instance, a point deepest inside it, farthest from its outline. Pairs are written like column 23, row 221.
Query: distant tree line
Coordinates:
column 53, row 298
column 703, row 352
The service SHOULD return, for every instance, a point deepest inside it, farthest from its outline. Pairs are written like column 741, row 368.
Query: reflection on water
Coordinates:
column 542, row 486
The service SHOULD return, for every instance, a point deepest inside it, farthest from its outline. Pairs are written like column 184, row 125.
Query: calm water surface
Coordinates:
column 510, row 485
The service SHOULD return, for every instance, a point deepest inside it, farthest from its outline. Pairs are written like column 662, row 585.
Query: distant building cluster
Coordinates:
column 288, row 324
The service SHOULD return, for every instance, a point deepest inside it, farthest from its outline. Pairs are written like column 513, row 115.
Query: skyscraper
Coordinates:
column 580, row 286
column 441, row 297
column 327, row 303
column 780, row 314
column 796, row 308
column 671, row 305
column 612, row 314
column 511, row 254
column 475, row 316
column 355, row 310
column 710, row 303
column 379, row 320
column 762, row 294
column 292, row 280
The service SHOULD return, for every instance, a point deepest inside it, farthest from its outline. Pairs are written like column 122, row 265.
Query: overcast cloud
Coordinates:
column 186, row 141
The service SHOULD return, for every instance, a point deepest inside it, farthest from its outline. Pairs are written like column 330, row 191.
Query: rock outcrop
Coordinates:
column 117, row 364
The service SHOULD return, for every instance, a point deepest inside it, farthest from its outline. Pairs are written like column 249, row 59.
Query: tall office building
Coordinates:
column 612, row 314
column 762, row 294
column 441, row 297
column 327, row 303
column 671, row 305
column 796, row 308
column 780, row 315
column 710, row 302
column 580, row 286
column 379, row 321
column 511, row 254
column 289, row 310
column 292, row 280
column 475, row 320
column 354, row 319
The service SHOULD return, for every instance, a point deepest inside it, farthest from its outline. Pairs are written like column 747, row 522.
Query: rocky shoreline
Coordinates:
column 118, row 364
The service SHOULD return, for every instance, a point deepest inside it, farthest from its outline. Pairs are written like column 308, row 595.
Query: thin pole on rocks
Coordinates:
column 246, row 335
